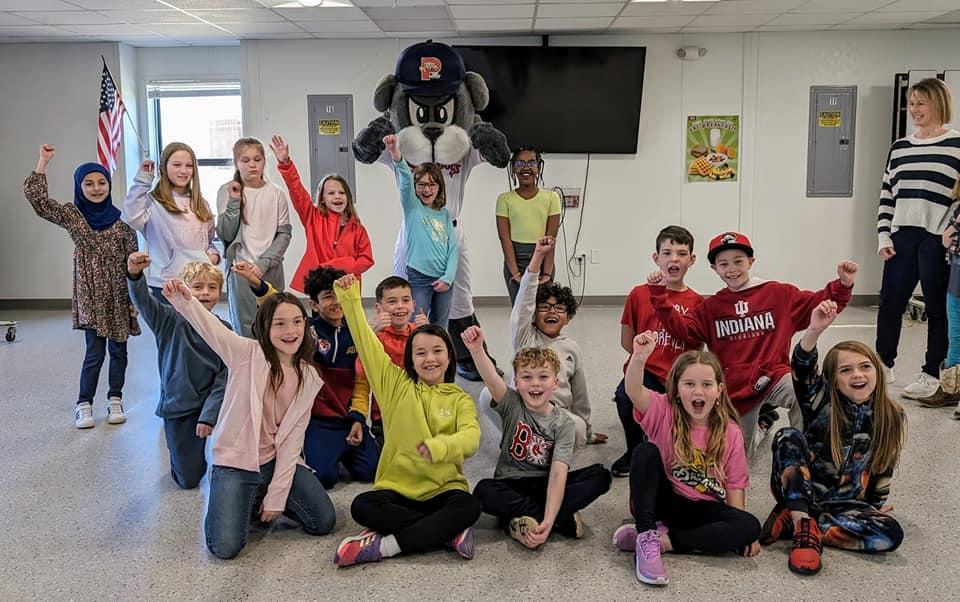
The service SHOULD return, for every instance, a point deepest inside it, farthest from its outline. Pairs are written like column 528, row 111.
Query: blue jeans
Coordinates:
column 435, row 305
column 97, row 347
column 235, row 498
column 325, row 447
column 953, row 329
column 187, row 461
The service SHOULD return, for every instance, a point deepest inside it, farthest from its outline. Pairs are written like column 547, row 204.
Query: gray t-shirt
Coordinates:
column 530, row 441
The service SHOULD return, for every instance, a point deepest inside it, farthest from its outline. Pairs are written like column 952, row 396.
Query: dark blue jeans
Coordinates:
column 236, row 496
column 325, row 447
column 92, row 362
column 435, row 305
column 187, row 461
column 920, row 257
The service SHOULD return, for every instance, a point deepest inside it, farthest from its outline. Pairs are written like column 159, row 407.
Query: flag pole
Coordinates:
column 143, row 147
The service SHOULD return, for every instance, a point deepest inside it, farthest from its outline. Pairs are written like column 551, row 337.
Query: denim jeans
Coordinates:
column 235, row 498
column 187, row 461
column 97, row 347
column 435, row 305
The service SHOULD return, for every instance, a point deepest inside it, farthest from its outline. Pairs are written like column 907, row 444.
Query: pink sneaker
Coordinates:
column 649, row 564
column 359, row 548
column 625, row 537
column 463, row 543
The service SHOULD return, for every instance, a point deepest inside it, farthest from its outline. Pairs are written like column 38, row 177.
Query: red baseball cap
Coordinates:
column 729, row 240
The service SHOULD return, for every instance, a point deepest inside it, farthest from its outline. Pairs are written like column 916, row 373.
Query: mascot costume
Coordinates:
column 431, row 104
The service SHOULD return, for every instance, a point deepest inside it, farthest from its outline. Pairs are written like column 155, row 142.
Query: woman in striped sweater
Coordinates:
column 915, row 199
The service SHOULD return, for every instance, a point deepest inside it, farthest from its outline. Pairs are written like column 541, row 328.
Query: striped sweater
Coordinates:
column 917, row 185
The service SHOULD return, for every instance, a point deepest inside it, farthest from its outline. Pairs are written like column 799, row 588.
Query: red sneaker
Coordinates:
column 778, row 526
column 807, row 547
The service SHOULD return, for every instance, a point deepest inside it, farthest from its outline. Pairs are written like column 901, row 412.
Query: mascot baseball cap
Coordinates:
column 430, row 69
column 729, row 240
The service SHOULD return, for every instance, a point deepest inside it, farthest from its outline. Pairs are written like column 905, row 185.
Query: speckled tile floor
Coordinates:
column 93, row 515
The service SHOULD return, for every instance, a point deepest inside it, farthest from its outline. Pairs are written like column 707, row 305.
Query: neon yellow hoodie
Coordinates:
column 442, row 416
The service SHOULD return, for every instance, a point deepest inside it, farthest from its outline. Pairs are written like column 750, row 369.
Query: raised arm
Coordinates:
column 473, row 340
column 525, row 306
column 157, row 315
column 299, row 196
column 35, row 191
column 691, row 327
column 643, row 345
column 808, row 385
column 839, row 291
column 231, row 347
column 135, row 210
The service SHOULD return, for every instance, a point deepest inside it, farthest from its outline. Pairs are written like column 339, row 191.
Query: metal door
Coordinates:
column 833, row 117
column 330, row 124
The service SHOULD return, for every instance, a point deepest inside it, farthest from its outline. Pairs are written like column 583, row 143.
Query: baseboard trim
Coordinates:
column 480, row 301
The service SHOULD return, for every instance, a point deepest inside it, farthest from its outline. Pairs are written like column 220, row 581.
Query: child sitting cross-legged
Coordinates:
column 687, row 483
column 533, row 491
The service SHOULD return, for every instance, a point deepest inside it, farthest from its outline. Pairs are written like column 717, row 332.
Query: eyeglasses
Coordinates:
column 559, row 308
column 520, row 163
column 426, row 185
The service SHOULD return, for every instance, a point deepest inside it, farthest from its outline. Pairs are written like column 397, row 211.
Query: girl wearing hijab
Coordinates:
column 101, row 306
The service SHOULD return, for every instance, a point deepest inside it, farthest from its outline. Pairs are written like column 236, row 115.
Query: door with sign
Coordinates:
column 331, row 133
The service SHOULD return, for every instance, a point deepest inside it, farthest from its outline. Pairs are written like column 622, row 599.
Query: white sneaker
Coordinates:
column 924, row 386
column 115, row 413
column 83, row 415
column 888, row 374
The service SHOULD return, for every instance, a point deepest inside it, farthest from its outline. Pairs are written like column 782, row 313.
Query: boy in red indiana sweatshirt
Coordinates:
column 749, row 325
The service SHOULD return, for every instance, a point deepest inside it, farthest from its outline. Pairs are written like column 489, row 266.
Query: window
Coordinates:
column 205, row 115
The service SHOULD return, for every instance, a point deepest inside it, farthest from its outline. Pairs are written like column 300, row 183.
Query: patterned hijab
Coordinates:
column 101, row 215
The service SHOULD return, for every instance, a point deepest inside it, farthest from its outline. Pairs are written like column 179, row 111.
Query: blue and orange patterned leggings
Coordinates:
column 846, row 524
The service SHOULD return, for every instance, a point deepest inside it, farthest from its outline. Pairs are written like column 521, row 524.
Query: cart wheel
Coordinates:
column 11, row 334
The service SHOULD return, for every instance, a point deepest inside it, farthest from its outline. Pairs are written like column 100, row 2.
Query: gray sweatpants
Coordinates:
column 781, row 395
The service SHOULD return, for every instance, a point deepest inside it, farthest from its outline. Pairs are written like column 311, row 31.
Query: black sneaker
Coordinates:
column 621, row 466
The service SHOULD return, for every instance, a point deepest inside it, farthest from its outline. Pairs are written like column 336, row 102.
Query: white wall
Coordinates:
column 763, row 77
column 50, row 95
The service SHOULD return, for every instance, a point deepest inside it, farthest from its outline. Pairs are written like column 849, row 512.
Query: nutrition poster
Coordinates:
column 713, row 148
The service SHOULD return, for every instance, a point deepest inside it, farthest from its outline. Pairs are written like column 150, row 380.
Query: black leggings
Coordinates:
column 695, row 525
column 418, row 525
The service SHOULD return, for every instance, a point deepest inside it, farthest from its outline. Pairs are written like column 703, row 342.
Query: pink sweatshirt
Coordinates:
column 238, row 436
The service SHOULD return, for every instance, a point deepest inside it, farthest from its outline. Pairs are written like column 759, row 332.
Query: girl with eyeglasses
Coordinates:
column 433, row 251
column 524, row 215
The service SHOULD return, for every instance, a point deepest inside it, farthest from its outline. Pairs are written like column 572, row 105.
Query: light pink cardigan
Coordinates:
column 236, row 440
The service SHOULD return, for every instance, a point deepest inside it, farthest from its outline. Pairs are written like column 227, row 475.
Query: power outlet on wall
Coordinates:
column 594, row 255
column 571, row 197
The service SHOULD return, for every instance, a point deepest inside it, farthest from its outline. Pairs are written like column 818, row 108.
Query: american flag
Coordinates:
column 111, row 121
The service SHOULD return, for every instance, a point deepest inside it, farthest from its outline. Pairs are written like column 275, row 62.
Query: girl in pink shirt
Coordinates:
column 257, row 466
column 687, row 482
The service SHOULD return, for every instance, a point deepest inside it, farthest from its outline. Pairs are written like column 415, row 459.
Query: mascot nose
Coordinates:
column 432, row 133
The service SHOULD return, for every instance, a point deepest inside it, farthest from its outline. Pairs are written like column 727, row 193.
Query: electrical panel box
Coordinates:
column 833, row 121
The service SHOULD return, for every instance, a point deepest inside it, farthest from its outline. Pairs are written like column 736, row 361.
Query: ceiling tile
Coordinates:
column 416, row 25
column 116, row 4
column 107, row 30
column 366, row 26
column 502, row 3
column 31, row 5
column 69, row 17
column 812, row 18
column 249, row 28
column 214, row 4
column 34, row 31
column 831, row 6
column 586, row 23
column 920, row 6
column 12, row 19
column 400, row 3
column 740, row 7
column 654, row 22
column 494, row 25
column 746, row 21
column 238, row 15
column 716, row 29
column 579, row 2
column 335, row 13
column 404, row 14
column 149, row 16
column 906, row 18
column 488, row 11
column 604, row 9
column 642, row 9
column 187, row 30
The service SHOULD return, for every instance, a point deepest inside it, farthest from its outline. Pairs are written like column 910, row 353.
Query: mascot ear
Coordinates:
column 479, row 93
column 383, row 95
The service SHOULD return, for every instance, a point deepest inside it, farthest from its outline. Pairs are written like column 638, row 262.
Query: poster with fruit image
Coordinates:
column 713, row 148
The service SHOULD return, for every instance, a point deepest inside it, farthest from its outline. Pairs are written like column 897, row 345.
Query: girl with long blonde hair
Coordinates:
column 173, row 216
column 253, row 222
column 687, row 482
column 831, row 480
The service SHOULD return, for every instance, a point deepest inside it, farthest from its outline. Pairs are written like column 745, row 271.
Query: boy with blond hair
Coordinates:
column 192, row 376
column 533, row 491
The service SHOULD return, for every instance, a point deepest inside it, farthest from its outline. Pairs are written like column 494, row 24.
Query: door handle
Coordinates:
column 342, row 149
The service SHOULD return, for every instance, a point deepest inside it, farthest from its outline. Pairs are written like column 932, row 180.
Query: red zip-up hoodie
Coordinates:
column 748, row 330
column 344, row 248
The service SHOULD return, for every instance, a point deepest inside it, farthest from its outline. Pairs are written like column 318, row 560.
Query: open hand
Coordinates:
column 281, row 150
column 176, row 288
column 847, row 271
column 137, row 262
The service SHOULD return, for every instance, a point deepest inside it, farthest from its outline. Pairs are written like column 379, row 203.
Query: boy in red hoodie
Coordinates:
column 749, row 326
